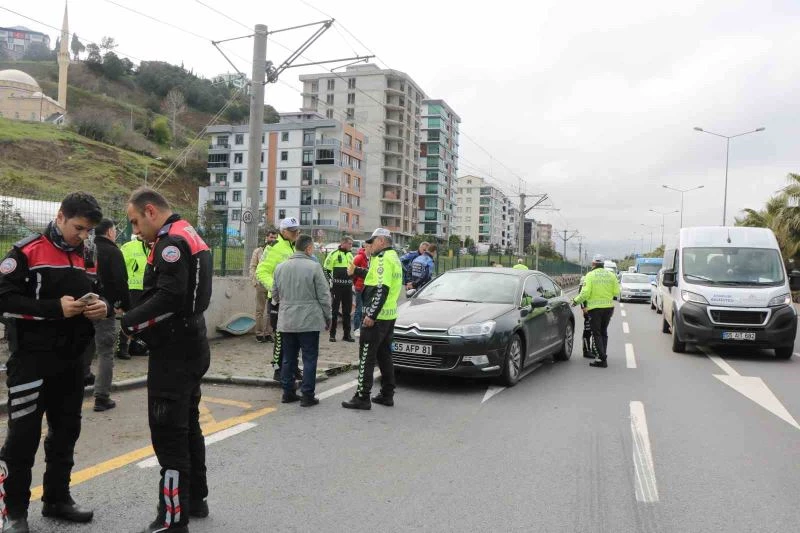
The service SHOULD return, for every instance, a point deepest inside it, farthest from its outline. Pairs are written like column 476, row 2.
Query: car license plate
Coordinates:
column 738, row 336
column 409, row 347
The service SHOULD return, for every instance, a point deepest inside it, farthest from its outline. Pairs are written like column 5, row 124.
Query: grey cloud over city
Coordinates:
column 592, row 103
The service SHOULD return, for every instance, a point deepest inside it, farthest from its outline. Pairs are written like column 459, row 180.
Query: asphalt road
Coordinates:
column 658, row 442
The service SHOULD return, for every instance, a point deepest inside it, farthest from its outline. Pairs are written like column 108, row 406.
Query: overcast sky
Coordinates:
column 590, row 102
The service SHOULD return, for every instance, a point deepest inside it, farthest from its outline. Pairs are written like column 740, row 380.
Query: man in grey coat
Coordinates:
column 304, row 295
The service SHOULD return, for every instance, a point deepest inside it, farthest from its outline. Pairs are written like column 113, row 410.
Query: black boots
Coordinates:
column 599, row 363
column 16, row 525
column 290, row 397
column 104, row 404
column 384, row 399
column 308, row 401
column 67, row 510
column 198, row 509
column 358, row 402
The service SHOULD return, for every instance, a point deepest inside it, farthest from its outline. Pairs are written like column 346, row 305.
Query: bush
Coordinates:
column 95, row 124
column 160, row 131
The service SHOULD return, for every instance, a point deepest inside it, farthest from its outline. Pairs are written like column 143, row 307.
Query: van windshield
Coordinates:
column 649, row 268
column 733, row 266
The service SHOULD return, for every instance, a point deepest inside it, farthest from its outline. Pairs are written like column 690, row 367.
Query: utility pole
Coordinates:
column 580, row 251
column 565, row 239
column 251, row 211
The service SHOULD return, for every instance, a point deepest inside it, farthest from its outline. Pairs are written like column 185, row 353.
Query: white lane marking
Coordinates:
column 336, row 390
column 623, row 313
column 752, row 388
column 491, row 391
column 625, row 328
column 630, row 356
column 211, row 439
column 646, row 487
column 796, row 354
column 622, row 305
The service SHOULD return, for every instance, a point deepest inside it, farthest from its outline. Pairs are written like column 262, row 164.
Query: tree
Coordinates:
column 76, row 46
column 113, row 68
column 93, row 58
column 174, row 104
column 454, row 241
column 160, row 131
column 211, row 225
column 415, row 241
column 271, row 116
column 11, row 222
column 108, row 44
column 38, row 52
column 468, row 242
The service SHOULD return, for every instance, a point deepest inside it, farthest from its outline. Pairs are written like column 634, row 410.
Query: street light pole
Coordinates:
column 663, row 220
column 727, row 153
column 684, row 191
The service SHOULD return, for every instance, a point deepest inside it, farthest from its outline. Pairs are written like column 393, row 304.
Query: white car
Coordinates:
column 656, row 298
column 635, row 287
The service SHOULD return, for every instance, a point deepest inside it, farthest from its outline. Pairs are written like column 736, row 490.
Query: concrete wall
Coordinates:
column 229, row 295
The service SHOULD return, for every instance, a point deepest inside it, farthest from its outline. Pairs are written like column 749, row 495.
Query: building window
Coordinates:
column 237, row 196
column 308, row 158
column 348, row 140
column 351, row 98
column 262, row 157
column 237, row 177
column 351, row 113
column 235, row 214
column 329, row 113
column 263, row 138
column 282, row 194
column 331, row 85
column 358, row 145
column 239, row 138
column 222, row 140
column 284, row 175
column 308, row 138
column 285, row 136
column 281, row 213
column 357, row 184
column 314, row 102
column 314, row 86
column 329, row 99
column 261, row 195
column 284, row 155
column 351, row 83
column 261, row 177
column 308, row 174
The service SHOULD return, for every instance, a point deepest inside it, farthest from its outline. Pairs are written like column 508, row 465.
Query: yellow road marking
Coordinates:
column 225, row 401
column 205, row 414
column 99, row 469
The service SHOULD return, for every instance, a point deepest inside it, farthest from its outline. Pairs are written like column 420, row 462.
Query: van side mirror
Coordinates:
column 794, row 280
column 670, row 278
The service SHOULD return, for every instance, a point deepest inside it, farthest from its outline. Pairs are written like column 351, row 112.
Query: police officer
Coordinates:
column 341, row 286
column 135, row 253
column 43, row 280
column 520, row 265
column 422, row 268
column 169, row 316
column 279, row 252
column 587, row 326
column 600, row 289
column 382, row 285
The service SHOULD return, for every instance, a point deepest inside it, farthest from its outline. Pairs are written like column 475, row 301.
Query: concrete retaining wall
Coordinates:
column 229, row 295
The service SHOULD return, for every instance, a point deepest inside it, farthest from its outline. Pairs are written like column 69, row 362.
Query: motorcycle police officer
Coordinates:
column 169, row 317
column 342, row 286
column 45, row 281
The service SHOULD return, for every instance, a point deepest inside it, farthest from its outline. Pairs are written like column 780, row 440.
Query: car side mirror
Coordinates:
column 794, row 281
column 410, row 293
column 670, row 279
column 539, row 302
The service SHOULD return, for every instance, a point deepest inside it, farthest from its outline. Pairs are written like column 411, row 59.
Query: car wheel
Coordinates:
column 659, row 310
column 569, row 340
column 784, row 352
column 677, row 345
column 652, row 304
column 512, row 366
column 664, row 325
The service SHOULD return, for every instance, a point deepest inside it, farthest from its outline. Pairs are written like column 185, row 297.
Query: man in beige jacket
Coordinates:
column 263, row 325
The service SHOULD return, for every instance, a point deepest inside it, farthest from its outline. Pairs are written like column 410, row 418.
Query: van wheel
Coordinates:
column 652, row 305
column 664, row 325
column 677, row 345
column 784, row 352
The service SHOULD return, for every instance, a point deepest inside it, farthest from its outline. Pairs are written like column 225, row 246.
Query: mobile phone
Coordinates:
column 89, row 298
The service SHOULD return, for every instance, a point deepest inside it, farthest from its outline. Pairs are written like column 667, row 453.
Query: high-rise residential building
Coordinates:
column 438, row 175
column 482, row 212
column 385, row 105
column 544, row 233
column 311, row 169
column 510, row 239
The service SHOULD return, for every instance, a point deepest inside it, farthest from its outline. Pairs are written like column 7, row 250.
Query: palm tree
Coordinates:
column 781, row 218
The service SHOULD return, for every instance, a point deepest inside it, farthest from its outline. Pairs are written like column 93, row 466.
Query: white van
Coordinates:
column 611, row 266
column 728, row 286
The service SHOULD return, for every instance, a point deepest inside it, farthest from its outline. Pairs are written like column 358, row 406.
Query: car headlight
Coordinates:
column 779, row 301
column 473, row 330
column 689, row 296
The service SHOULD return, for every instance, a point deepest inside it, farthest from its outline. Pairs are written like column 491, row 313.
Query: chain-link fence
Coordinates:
column 445, row 262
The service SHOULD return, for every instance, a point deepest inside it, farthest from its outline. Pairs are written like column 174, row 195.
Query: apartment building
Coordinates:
column 311, row 169
column 385, row 105
column 544, row 233
column 438, row 175
column 17, row 39
column 483, row 212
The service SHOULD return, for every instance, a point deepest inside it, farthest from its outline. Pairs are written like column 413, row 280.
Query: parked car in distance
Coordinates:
column 483, row 322
column 634, row 287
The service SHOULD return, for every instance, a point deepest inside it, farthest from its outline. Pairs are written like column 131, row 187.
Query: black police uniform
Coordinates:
column 45, row 371
column 341, row 291
column 169, row 318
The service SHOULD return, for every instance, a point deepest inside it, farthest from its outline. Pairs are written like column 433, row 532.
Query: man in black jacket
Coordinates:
column 114, row 279
column 42, row 281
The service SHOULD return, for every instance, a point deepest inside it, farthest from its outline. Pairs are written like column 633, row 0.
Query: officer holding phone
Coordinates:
column 43, row 283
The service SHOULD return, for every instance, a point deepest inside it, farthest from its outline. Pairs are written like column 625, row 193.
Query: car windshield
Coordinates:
column 649, row 268
column 733, row 266
column 471, row 286
column 635, row 278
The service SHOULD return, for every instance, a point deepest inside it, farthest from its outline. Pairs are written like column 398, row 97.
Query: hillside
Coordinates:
column 44, row 162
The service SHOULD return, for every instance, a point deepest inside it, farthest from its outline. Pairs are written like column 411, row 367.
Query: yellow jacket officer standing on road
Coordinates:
column 600, row 289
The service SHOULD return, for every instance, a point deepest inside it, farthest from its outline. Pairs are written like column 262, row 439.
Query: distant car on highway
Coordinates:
column 483, row 322
column 634, row 287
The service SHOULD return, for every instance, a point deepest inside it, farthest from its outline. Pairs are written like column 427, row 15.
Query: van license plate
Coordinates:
column 409, row 347
column 738, row 336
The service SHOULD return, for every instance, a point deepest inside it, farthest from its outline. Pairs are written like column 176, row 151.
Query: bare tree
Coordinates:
column 174, row 104
column 108, row 44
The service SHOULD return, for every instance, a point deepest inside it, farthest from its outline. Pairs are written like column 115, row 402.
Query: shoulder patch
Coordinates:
column 8, row 265
column 170, row 254
column 27, row 240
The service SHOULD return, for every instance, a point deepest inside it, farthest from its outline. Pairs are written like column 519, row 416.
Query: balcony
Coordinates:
column 219, row 205
column 320, row 223
column 219, row 147
column 325, row 203
column 395, row 88
column 219, row 164
column 218, row 186
column 327, row 183
column 305, row 201
column 329, row 142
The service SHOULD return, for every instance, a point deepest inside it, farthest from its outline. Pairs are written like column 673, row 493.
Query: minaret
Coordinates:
column 63, row 62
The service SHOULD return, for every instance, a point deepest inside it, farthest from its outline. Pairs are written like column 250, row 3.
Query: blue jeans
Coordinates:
column 357, row 314
column 308, row 342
